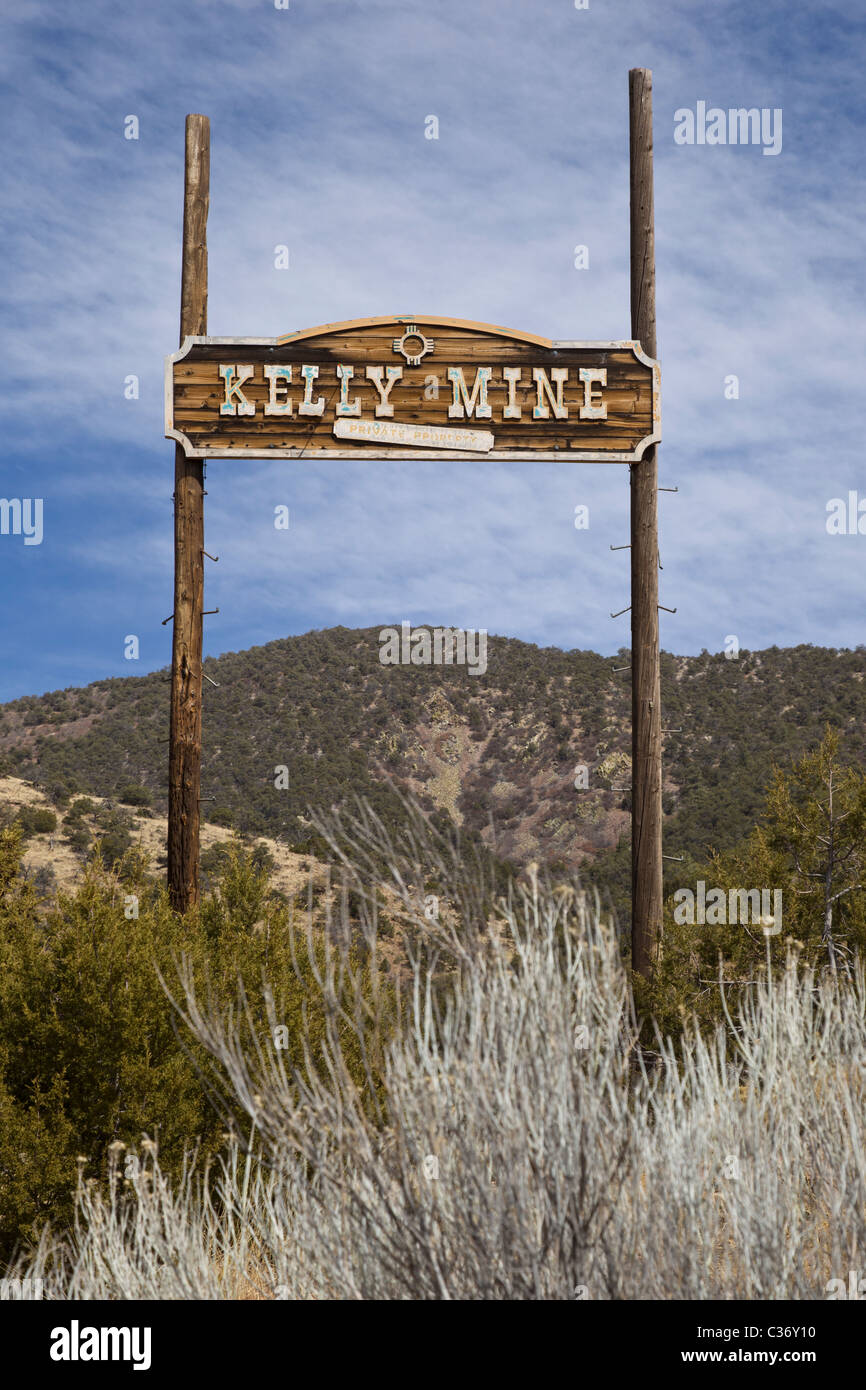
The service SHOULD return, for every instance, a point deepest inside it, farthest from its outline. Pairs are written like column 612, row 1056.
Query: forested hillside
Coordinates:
column 499, row 753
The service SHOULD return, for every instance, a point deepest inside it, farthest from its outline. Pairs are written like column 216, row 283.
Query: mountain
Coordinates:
column 497, row 753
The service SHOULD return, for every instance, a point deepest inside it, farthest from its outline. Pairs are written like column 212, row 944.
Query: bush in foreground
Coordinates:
column 91, row 1060
column 519, row 1146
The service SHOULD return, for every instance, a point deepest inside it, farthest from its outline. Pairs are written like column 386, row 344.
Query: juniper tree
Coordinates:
column 818, row 822
column 810, row 843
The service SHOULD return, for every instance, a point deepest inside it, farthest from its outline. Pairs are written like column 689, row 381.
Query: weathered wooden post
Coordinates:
column 646, row 738
column 184, row 777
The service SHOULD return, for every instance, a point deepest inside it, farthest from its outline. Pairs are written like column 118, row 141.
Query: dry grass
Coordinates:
column 564, row 1167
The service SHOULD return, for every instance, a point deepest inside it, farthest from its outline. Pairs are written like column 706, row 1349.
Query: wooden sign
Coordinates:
column 427, row 387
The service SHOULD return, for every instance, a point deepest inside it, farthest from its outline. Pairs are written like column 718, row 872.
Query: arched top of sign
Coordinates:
column 417, row 386
column 470, row 325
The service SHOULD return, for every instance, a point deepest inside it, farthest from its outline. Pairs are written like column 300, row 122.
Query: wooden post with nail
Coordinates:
column 646, row 742
column 184, row 777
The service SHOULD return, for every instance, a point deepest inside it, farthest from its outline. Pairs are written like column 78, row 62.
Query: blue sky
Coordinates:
column 318, row 142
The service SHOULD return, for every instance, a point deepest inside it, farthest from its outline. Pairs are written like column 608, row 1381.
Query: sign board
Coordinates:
column 418, row 386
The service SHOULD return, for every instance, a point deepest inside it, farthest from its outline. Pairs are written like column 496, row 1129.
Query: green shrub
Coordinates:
column 89, row 1050
column 36, row 821
column 262, row 858
column 136, row 795
column 212, row 863
column 113, row 844
column 78, row 838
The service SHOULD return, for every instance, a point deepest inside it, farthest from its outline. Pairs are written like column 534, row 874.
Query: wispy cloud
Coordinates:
column 318, row 142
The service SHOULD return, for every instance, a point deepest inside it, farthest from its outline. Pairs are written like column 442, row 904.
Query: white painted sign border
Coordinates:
column 508, row 455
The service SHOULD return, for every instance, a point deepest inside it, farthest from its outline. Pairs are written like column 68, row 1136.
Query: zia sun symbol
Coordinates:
column 413, row 345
